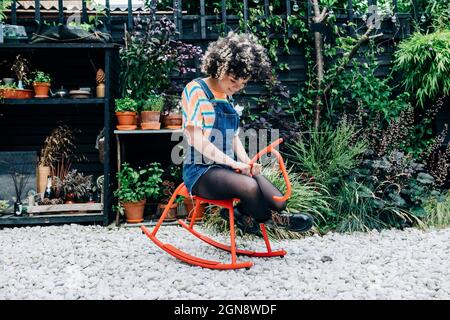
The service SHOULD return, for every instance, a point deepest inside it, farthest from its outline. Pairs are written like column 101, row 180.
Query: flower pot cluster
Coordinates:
column 145, row 114
column 15, row 87
column 57, row 183
column 135, row 188
column 151, row 187
column 26, row 84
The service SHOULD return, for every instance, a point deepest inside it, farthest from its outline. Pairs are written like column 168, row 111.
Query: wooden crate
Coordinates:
column 75, row 208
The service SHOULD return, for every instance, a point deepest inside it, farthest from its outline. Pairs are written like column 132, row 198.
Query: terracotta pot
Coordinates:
column 150, row 116
column 126, row 118
column 134, row 211
column 69, row 198
column 41, row 89
column 16, row 93
column 190, row 210
column 171, row 215
column 43, row 173
column 172, row 121
column 150, row 125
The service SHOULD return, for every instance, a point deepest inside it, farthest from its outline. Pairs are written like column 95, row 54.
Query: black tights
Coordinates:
column 256, row 193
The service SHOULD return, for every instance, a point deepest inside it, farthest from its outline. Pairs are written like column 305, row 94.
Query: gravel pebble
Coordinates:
column 93, row 262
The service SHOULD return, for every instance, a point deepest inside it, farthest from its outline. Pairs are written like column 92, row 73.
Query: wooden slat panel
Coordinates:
column 224, row 16
column 202, row 19
column 60, row 11
column 246, row 15
column 14, row 12
column 37, row 11
column 130, row 15
column 65, row 207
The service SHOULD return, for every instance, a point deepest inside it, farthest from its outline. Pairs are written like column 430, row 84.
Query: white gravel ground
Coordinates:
column 93, row 262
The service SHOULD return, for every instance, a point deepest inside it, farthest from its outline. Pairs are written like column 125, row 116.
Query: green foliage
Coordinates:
column 126, row 104
column 40, row 76
column 327, row 155
column 151, row 55
column 438, row 212
column 307, row 196
column 360, row 88
column 136, row 185
column 4, row 5
column 424, row 61
column 273, row 31
column 154, row 102
column 75, row 182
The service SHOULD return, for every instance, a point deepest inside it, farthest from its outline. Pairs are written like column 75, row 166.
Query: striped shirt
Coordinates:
column 197, row 110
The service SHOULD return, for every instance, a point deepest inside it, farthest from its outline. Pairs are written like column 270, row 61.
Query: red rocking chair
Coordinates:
column 228, row 204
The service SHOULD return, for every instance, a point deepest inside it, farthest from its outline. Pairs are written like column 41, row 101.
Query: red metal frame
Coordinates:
column 228, row 204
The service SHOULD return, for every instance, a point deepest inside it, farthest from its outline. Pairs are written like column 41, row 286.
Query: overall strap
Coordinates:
column 205, row 88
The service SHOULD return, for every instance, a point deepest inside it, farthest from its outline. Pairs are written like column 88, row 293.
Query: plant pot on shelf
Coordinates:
column 127, row 118
column 172, row 214
column 150, row 120
column 16, row 94
column 172, row 121
column 188, row 203
column 69, row 198
column 134, row 211
column 41, row 89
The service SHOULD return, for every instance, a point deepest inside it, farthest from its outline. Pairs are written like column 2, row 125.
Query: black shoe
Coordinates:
column 245, row 223
column 294, row 221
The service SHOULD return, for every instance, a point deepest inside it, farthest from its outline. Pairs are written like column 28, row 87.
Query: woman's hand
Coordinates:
column 256, row 169
column 242, row 167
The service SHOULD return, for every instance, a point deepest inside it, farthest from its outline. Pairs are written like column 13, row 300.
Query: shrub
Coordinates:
column 327, row 155
column 126, row 104
column 424, row 60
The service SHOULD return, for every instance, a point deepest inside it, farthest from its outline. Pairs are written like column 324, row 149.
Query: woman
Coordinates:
column 217, row 165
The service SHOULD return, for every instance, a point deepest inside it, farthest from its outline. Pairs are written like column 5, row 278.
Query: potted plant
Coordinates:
column 8, row 91
column 56, row 155
column 151, row 112
column 172, row 118
column 126, row 109
column 41, row 84
column 21, row 67
column 75, row 186
column 135, row 186
column 168, row 187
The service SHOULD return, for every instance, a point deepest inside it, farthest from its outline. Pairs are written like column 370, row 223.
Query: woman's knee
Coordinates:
column 249, row 188
column 278, row 205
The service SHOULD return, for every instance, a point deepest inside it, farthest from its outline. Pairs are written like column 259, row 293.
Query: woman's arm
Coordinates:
column 209, row 150
column 239, row 150
column 242, row 155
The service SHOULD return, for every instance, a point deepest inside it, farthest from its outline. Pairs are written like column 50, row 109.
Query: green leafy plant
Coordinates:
column 327, row 155
column 40, row 76
column 21, row 67
column 136, row 185
column 438, row 212
column 4, row 5
column 153, row 103
column 126, row 104
column 74, row 182
column 151, row 55
column 424, row 60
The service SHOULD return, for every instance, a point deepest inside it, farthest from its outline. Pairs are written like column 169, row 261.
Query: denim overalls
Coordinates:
column 225, row 127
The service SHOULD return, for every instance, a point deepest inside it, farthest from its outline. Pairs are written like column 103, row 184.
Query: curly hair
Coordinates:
column 238, row 54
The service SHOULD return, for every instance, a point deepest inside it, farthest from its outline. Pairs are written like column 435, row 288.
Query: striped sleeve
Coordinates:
column 196, row 109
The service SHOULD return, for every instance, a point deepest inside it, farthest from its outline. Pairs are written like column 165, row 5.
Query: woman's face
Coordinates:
column 229, row 84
